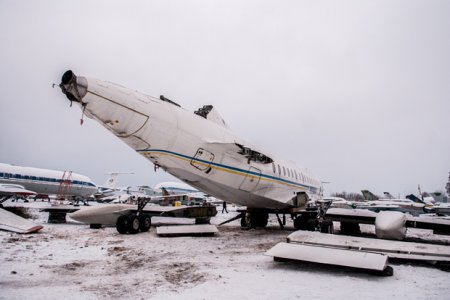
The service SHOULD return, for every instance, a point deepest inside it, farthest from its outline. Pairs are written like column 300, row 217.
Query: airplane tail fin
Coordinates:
column 112, row 180
column 368, row 195
column 165, row 192
column 388, row 195
column 414, row 198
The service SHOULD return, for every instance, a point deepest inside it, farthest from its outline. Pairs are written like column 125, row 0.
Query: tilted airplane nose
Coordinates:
column 115, row 107
column 75, row 88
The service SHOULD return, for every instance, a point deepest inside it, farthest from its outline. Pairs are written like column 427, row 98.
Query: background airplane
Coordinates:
column 44, row 182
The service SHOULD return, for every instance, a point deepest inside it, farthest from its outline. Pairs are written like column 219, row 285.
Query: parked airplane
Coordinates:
column 109, row 189
column 412, row 205
column 186, row 194
column 175, row 187
column 198, row 148
column 45, row 182
column 14, row 191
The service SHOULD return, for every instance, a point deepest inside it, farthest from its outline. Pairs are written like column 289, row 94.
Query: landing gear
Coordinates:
column 133, row 223
column 311, row 222
column 254, row 219
column 305, row 222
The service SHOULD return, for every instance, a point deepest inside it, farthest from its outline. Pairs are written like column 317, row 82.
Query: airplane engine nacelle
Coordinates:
column 390, row 225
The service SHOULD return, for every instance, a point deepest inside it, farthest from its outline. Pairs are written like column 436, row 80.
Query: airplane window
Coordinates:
column 273, row 167
column 284, row 171
column 289, row 172
column 295, row 173
column 279, row 169
column 1, row 174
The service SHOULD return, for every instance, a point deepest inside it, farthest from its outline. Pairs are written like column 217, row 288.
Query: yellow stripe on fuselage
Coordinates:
column 240, row 173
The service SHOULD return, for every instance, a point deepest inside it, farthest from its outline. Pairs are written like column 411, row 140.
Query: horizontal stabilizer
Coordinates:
column 14, row 223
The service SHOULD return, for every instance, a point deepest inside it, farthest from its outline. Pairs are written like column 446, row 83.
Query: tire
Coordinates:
column 311, row 224
column 301, row 223
column 95, row 226
column 145, row 222
column 133, row 224
column 388, row 271
column 202, row 220
column 259, row 219
column 244, row 222
column 326, row 226
column 350, row 228
column 122, row 224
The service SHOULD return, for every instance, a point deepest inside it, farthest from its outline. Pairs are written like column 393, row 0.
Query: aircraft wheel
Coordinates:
column 202, row 220
column 388, row 271
column 95, row 226
column 326, row 226
column 145, row 222
column 244, row 222
column 350, row 228
column 122, row 224
column 301, row 223
column 259, row 219
column 133, row 224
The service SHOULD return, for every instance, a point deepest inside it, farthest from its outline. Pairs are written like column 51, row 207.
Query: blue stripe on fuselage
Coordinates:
column 312, row 189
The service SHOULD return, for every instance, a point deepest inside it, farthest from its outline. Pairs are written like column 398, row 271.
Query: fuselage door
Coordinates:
column 202, row 160
column 251, row 180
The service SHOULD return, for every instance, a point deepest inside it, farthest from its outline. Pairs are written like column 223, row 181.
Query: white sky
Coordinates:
column 357, row 91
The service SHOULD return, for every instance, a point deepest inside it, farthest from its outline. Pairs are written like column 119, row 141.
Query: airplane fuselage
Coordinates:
column 197, row 148
column 46, row 182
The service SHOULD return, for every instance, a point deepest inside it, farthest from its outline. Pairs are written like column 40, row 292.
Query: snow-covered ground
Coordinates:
column 70, row 261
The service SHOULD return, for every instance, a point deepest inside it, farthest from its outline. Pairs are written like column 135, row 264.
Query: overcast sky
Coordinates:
column 357, row 91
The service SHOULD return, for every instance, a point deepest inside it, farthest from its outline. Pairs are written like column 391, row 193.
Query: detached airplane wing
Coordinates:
column 14, row 223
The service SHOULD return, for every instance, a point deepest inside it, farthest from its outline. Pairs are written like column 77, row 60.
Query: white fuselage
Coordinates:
column 201, row 151
column 47, row 182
